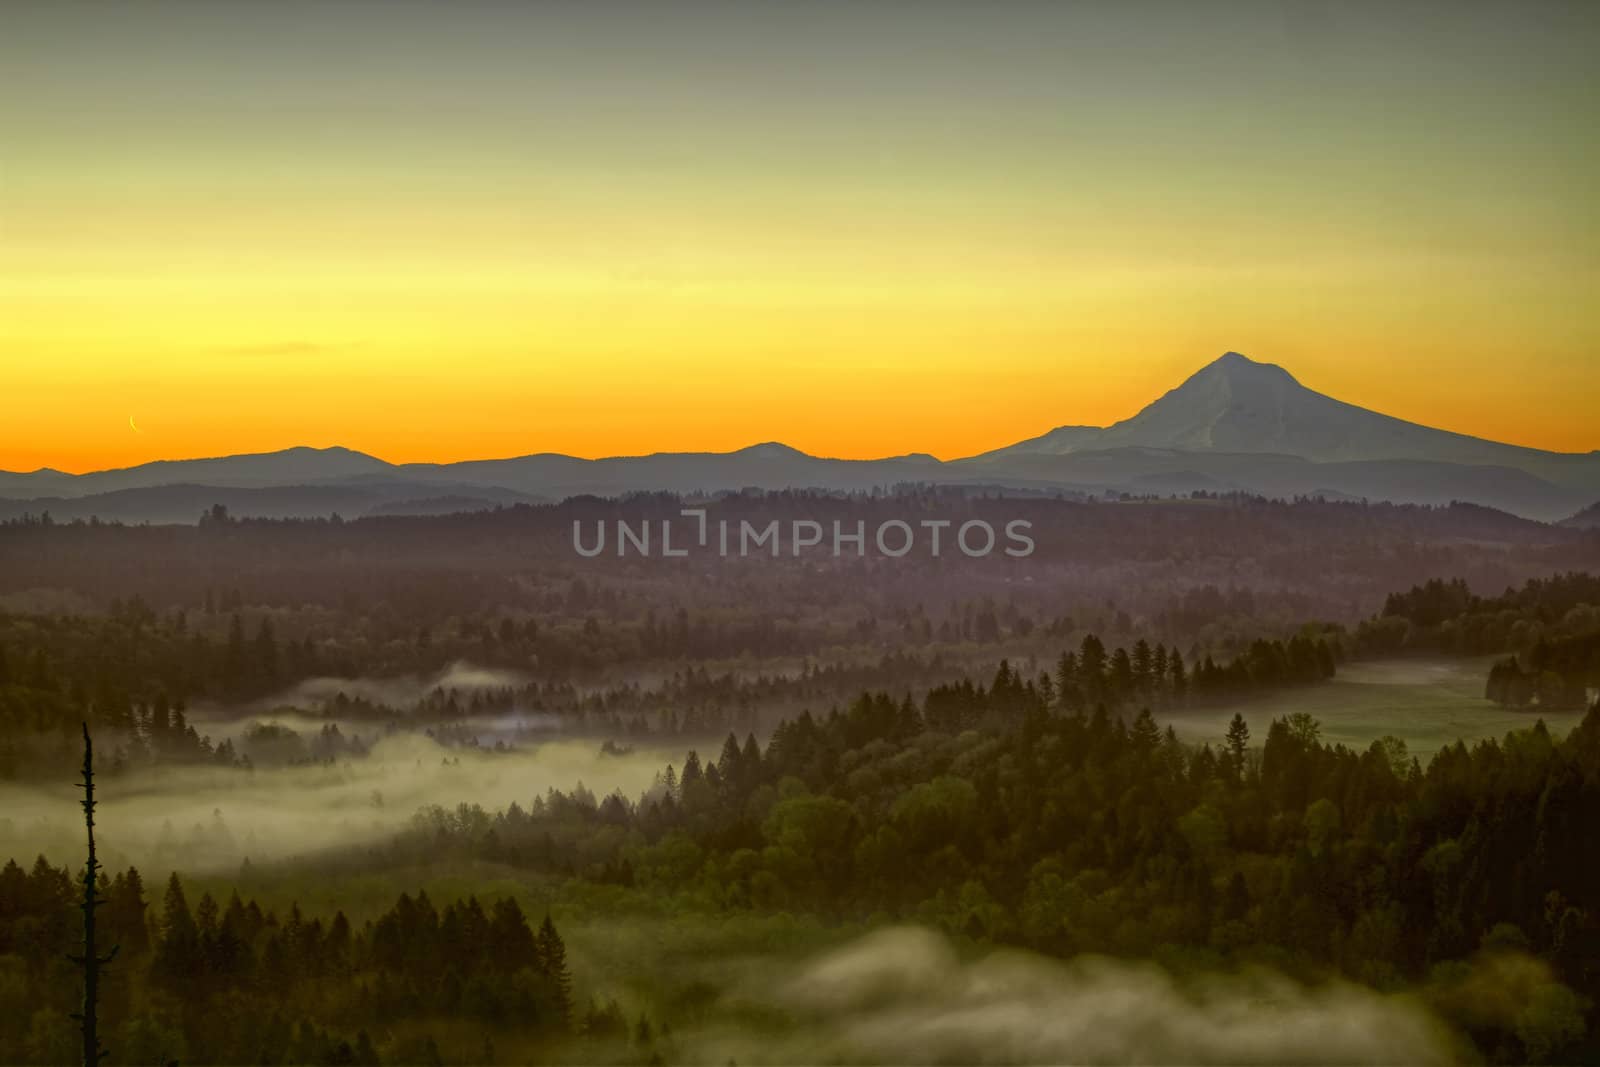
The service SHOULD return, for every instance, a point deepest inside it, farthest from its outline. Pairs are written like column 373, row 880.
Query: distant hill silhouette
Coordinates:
column 1234, row 425
column 1587, row 519
column 184, row 503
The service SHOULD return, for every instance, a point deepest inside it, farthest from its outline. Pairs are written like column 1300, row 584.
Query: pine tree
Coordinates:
column 1238, row 742
column 728, row 764
column 1143, row 664
column 553, row 962
column 1067, row 679
column 1121, row 675
column 511, row 943
column 1092, row 668
column 127, row 912
column 178, row 952
column 160, row 722
column 1145, row 735
column 206, row 917
column 751, row 756
column 692, row 772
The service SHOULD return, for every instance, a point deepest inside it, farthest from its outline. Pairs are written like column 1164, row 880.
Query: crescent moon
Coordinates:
column 134, row 425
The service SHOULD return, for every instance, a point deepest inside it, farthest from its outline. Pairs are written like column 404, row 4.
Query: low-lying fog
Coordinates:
column 399, row 692
column 403, row 692
column 208, row 819
column 903, row 995
column 200, row 819
column 308, row 705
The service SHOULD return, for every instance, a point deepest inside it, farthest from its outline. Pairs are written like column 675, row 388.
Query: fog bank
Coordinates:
column 902, row 995
column 210, row 818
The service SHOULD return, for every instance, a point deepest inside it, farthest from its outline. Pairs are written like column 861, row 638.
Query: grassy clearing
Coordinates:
column 1428, row 704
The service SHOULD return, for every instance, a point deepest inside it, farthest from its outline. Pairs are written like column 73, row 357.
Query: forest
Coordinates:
column 398, row 593
column 1002, row 813
column 130, row 675
column 425, row 790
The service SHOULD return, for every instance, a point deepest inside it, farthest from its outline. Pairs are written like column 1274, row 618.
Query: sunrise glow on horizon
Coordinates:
column 465, row 231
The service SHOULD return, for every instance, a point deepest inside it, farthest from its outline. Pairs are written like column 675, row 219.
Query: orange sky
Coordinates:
column 509, row 230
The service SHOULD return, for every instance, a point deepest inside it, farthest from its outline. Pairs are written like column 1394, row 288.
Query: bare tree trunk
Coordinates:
column 90, row 961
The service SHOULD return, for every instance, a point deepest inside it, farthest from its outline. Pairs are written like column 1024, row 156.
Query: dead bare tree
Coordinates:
column 90, row 961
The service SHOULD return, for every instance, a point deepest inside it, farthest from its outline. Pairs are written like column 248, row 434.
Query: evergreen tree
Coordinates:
column 1092, row 668
column 1143, row 665
column 177, row 956
column 553, row 963
column 1238, row 743
column 728, row 764
column 1067, row 680
column 126, row 912
column 1145, row 735
column 692, row 772
column 1120, row 680
column 512, row 944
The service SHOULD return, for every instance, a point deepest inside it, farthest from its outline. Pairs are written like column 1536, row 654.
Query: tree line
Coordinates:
column 235, row 983
column 1551, row 627
column 115, row 673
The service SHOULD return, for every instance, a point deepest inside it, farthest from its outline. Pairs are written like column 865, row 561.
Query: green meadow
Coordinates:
column 1427, row 703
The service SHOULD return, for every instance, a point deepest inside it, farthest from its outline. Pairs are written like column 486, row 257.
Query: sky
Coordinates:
column 463, row 230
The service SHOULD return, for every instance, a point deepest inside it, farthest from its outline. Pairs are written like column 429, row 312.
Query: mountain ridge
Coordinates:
column 1242, row 381
column 1235, row 423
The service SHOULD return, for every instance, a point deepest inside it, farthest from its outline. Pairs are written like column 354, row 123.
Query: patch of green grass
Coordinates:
column 1428, row 704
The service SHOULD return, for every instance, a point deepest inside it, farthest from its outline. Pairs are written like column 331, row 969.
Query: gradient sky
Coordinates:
column 456, row 230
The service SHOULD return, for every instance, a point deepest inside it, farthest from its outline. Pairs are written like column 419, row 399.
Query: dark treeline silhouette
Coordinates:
column 1554, row 673
column 237, row 984
column 1445, row 615
column 470, row 584
column 1158, row 676
column 64, row 678
column 1551, row 625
